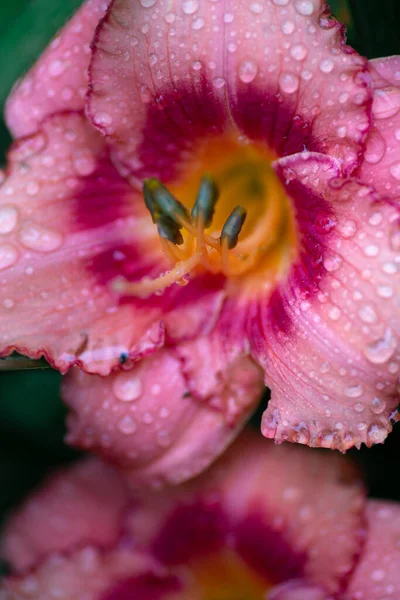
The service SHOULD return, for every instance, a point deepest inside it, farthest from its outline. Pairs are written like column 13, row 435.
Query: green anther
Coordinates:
column 150, row 201
column 169, row 230
column 206, row 201
column 165, row 201
column 233, row 226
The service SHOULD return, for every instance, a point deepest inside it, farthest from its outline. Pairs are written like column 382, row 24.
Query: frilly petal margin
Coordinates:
column 69, row 224
column 158, row 421
column 377, row 575
column 268, row 516
column 59, row 79
column 333, row 371
column 65, row 512
column 174, row 58
column 52, row 304
column 381, row 165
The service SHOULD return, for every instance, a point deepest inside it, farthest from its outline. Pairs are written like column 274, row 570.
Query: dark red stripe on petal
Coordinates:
column 144, row 587
column 267, row 551
column 191, row 531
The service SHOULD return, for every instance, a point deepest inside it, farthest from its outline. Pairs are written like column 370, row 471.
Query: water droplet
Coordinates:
column 353, row 391
column 335, row 313
column 378, row 575
column 289, row 83
column 384, row 291
column 348, row 228
column 281, row 2
column 127, row 387
column 8, row 303
column 170, row 17
column 367, row 314
column 84, row 163
column 371, row 250
column 219, row 82
column 378, row 406
column 147, row 3
column 127, row 425
column 8, row 256
column 228, row 17
column 394, row 238
column 57, row 67
column 380, row 351
column 359, row 407
column 32, row 188
column 389, row 268
column 304, row 7
column 299, row 51
column 198, row 24
column 326, row 65
column 288, row 27
column 256, row 7
column 103, row 119
column 196, row 65
column 8, row 218
column 395, row 170
column 189, row 7
column 247, row 71
column 163, row 439
column 332, row 262
column 39, row 238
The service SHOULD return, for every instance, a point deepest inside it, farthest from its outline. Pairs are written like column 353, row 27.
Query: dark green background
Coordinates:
column 31, row 414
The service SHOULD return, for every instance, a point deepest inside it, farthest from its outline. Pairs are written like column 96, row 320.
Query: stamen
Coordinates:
column 206, row 201
column 165, row 201
column 146, row 287
column 169, row 230
column 233, row 226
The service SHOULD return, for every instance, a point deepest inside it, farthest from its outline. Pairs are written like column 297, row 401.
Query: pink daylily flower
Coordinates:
column 300, row 137
column 259, row 533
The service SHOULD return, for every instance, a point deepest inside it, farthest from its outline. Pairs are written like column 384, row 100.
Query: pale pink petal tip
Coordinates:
column 58, row 81
column 65, row 513
column 155, row 420
column 377, row 576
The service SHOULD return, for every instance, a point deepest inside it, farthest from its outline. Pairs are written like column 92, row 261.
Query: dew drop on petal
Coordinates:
column 304, row 7
column 326, row 65
column 127, row 387
column 189, row 7
column 147, row 3
column 381, row 350
column 8, row 256
column 353, row 391
column 127, row 425
column 395, row 170
column 247, row 71
column 395, row 239
column 289, row 83
column 8, row 218
column 378, row 406
column 367, row 314
column 219, row 82
column 39, row 238
column 256, row 7
column 384, row 291
column 281, row 2
column 84, row 164
column 298, row 51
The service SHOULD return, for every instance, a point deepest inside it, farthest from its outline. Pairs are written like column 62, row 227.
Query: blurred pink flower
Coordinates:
column 294, row 128
column 253, row 532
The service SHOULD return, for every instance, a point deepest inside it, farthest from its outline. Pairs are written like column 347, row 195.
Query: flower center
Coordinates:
column 236, row 220
column 224, row 576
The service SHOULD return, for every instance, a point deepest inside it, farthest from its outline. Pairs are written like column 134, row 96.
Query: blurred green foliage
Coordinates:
column 31, row 413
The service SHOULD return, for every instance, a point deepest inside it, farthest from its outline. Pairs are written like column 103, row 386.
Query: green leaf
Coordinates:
column 377, row 26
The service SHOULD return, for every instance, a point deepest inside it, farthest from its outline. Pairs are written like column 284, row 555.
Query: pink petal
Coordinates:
column 381, row 166
column 87, row 574
column 158, row 420
column 264, row 498
column 298, row 590
column 65, row 513
column 377, row 575
column 331, row 350
column 162, row 76
column 58, row 81
column 69, row 225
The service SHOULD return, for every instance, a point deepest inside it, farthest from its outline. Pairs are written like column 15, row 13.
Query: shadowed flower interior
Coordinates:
column 225, row 212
